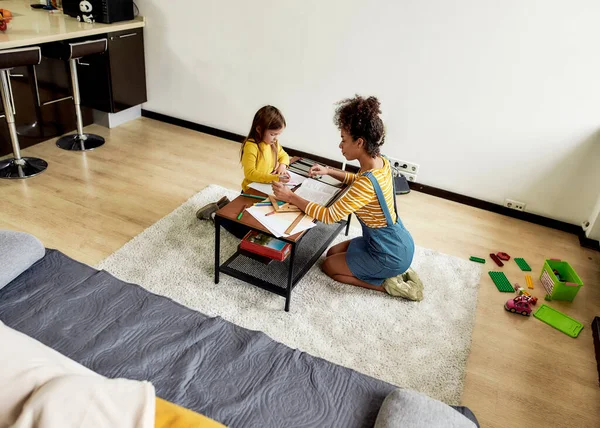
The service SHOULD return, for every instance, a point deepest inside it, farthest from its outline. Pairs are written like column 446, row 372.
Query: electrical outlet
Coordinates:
column 400, row 165
column 408, row 176
column 514, row 205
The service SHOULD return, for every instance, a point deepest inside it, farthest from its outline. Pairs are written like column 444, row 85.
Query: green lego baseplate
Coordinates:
column 501, row 281
column 522, row 264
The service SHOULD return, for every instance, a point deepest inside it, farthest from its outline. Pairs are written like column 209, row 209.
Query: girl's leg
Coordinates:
column 342, row 247
column 335, row 267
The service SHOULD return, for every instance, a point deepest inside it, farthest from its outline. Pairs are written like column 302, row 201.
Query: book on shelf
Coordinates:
column 265, row 245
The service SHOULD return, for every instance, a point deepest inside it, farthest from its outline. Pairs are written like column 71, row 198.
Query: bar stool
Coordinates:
column 17, row 167
column 73, row 52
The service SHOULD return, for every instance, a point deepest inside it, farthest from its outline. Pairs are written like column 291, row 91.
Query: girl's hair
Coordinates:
column 266, row 118
column 360, row 118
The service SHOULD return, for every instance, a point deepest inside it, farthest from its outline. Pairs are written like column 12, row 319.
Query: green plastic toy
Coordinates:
column 558, row 320
column 523, row 264
column 560, row 280
column 477, row 259
column 501, row 281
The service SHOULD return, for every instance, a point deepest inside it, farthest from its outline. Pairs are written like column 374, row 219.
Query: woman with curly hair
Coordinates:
column 386, row 248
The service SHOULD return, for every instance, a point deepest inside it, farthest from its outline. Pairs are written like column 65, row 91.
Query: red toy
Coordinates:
column 496, row 259
column 503, row 256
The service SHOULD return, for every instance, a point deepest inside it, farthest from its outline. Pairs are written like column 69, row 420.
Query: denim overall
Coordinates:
column 381, row 253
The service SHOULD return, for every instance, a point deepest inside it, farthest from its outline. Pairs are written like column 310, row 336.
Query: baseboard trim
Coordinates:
column 193, row 126
column 586, row 242
column 496, row 208
column 430, row 190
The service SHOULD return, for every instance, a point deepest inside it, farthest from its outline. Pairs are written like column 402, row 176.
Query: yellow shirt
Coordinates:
column 360, row 199
column 258, row 163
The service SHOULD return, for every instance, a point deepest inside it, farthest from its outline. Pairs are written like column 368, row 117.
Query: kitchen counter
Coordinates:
column 35, row 26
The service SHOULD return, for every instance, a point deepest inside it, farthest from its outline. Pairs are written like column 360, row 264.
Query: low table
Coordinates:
column 277, row 277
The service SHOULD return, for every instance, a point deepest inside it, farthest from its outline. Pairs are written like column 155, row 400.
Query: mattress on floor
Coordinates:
column 239, row 377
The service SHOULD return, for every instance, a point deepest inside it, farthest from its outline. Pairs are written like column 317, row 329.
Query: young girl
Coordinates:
column 263, row 160
column 262, row 157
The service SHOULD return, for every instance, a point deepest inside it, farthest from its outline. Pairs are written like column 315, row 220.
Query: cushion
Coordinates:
column 42, row 388
column 411, row 409
column 18, row 251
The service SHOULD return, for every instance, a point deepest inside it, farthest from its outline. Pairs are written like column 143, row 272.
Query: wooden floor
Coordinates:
column 520, row 373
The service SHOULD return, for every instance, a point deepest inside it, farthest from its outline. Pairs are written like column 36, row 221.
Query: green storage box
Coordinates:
column 566, row 287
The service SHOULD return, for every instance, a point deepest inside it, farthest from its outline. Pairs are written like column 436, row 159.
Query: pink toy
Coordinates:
column 524, row 295
column 518, row 305
column 532, row 300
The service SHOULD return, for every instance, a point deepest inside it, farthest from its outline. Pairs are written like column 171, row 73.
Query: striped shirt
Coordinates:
column 360, row 199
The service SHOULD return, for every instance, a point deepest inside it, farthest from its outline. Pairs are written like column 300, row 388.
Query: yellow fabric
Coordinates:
column 169, row 415
column 360, row 199
column 258, row 163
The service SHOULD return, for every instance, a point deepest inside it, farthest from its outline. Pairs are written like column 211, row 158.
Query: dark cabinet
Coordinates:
column 93, row 76
column 127, row 69
column 110, row 82
column 115, row 80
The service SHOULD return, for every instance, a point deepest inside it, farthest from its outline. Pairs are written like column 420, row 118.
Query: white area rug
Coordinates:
column 421, row 345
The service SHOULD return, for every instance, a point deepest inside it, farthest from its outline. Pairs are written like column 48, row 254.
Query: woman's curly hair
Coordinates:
column 359, row 117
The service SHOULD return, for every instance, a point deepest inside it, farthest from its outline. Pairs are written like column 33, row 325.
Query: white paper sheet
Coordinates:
column 296, row 179
column 267, row 189
column 278, row 223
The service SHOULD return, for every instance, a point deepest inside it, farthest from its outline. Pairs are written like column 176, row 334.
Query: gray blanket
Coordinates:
column 239, row 377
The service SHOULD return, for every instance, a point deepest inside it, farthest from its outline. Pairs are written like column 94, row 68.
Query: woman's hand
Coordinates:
column 316, row 170
column 282, row 192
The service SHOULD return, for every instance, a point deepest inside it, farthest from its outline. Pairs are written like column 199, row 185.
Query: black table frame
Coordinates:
column 291, row 280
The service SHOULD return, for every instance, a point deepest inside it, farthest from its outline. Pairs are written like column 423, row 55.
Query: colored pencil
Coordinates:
column 242, row 212
column 267, row 204
column 254, row 196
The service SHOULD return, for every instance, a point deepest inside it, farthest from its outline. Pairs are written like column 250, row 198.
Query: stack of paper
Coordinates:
column 278, row 223
column 267, row 189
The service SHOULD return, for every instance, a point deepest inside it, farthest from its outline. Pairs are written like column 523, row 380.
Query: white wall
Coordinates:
column 493, row 99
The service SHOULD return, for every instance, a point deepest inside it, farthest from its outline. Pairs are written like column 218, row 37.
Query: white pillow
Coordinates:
column 42, row 385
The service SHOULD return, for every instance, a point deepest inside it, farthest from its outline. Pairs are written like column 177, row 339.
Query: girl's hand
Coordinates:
column 281, row 169
column 282, row 192
column 316, row 170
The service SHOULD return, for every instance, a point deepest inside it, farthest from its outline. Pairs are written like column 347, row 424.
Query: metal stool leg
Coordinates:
column 17, row 167
column 79, row 141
